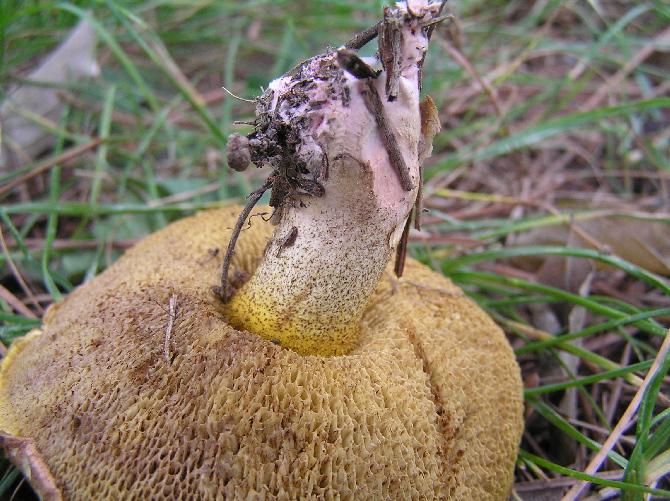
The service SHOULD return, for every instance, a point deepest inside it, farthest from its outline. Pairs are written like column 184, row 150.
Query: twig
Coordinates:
column 633, row 62
column 390, row 53
column 395, row 285
column 562, row 482
column 68, row 155
column 469, row 67
column 14, row 302
column 432, row 289
column 253, row 197
column 419, row 204
column 17, row 274
column 238, row 97
column 376, row 107
column 360, row 40
column 172, row 314
column 401, row 252
column 38, row 244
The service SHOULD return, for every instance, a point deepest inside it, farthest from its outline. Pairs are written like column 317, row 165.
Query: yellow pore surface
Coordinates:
column 128, row 397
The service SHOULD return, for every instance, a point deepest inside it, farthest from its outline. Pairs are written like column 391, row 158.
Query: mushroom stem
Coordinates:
column 346, row 174
column 322, row 265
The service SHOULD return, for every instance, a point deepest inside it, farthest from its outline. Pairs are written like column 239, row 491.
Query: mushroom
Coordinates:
column 324, row 376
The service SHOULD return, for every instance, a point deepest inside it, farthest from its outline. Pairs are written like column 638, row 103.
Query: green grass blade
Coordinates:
column 546, row 130
column 509, row 252
column 557, row 420
column 603, row 376
column 625, row 487
column 560, row 296
column 593, row 329
column 163, row 61
column 109, row 39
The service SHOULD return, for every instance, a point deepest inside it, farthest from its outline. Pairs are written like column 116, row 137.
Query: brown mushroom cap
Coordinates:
column 122, row 402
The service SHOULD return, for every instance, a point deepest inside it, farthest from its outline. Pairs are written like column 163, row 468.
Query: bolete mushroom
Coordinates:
column 323, row 377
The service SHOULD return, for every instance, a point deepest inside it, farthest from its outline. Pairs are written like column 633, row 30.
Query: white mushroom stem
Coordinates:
column 328, row 253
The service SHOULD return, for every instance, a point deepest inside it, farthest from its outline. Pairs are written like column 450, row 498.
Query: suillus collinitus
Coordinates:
column 143, row 384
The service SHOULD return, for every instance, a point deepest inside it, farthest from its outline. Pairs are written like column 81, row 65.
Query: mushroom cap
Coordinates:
column 136, row 387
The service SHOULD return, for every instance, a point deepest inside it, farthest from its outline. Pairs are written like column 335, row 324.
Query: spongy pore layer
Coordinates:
column 136, row 388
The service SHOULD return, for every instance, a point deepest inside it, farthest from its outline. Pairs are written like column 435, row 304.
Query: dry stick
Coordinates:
column 253, row 197
column 38, row 244
column 172, row 313
column 556, row 483
column 363, row 38
column 68, row 155
column 15, row 303
column 390, row 51
column 376, row 107
column 401, row 252
column 468, row 66
column 355, row 43
column 173, row 69
column 540, row 36
column 634, row 62
column 623, row 423
column 418, row 205
column 17, row 274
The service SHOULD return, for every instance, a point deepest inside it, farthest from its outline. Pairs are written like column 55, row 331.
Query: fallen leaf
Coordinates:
column 645, row 244
column 30, row 105
column 25, row 456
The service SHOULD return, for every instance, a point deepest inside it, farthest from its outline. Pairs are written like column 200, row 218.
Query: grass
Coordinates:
column 548, row 190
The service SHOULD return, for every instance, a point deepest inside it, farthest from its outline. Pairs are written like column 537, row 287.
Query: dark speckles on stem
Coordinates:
column 316, row 105
column 346, row 96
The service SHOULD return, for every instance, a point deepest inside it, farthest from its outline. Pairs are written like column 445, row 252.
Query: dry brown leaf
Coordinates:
column 24, row 454
column 643, row 243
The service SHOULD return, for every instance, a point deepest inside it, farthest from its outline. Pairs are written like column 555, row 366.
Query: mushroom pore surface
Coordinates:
column 137, row 388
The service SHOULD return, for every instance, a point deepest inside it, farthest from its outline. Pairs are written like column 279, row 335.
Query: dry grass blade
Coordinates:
column 45, row 166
